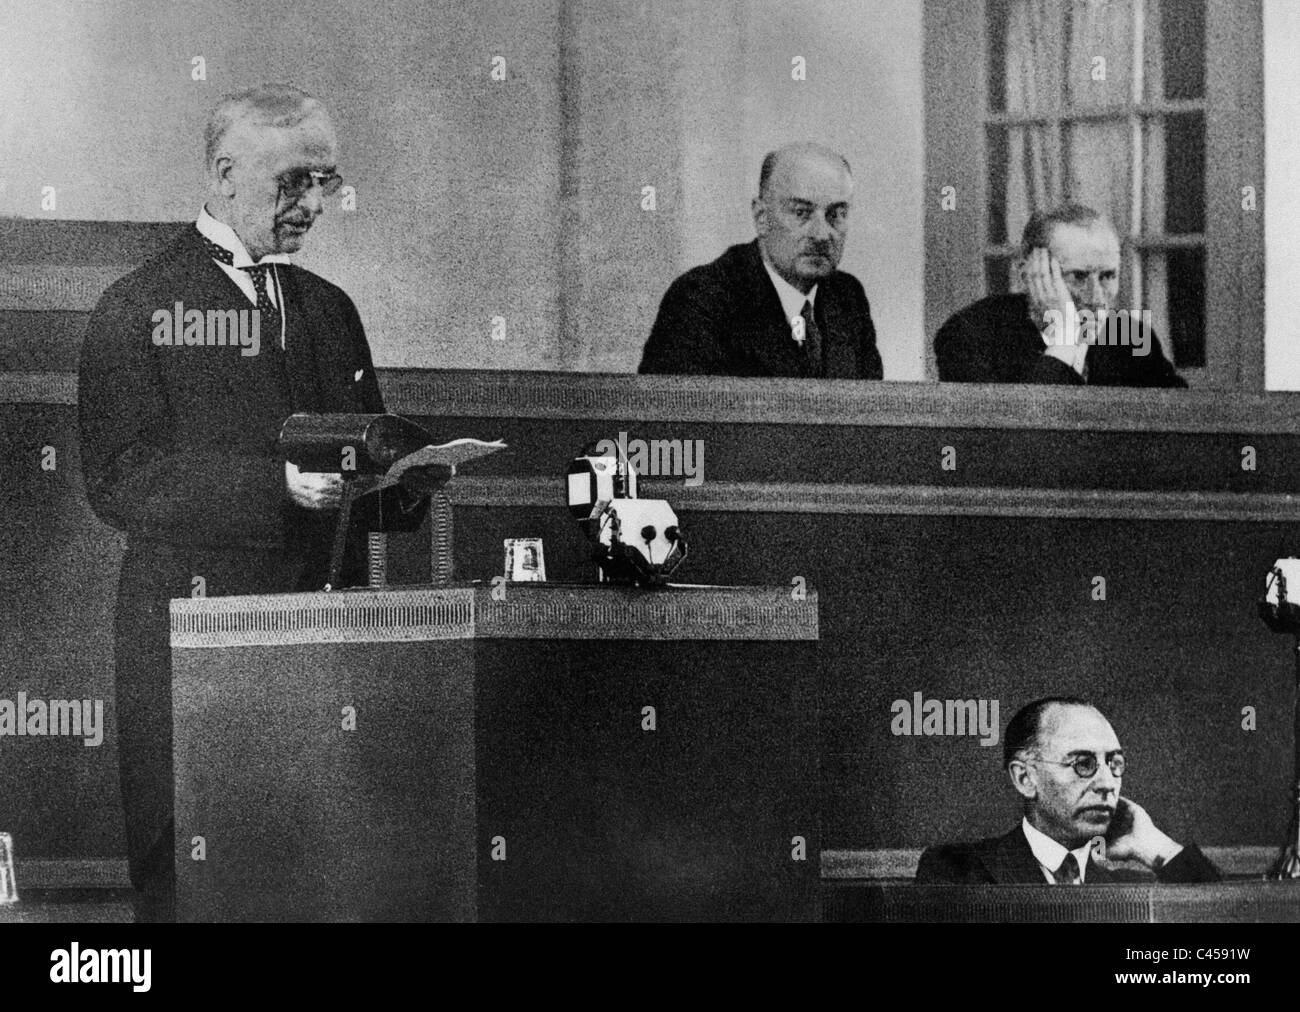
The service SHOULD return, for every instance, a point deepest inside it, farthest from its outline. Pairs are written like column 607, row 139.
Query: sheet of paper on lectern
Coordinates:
column 458, row 451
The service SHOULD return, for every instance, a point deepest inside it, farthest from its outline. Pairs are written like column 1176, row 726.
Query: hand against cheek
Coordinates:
column 1133, row 836
column 313, row 490
column 1050, row 305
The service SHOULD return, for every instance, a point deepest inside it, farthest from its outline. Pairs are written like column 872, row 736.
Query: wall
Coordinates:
column 456, row 174
column 1281, row 198
column 976, row 583
column 478, row 198
column 862, row 96
column 465, row 185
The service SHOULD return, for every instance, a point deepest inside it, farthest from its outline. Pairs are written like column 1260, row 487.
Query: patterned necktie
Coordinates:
column 258, row 272
column 1068, row 873
column 812, row 340
column 270, row 314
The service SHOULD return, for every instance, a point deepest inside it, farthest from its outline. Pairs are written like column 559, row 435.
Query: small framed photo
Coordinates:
column 8, row 883
column 525, row 562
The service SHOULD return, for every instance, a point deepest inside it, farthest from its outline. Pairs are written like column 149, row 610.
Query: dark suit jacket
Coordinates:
column 725, row 319
column 994, row 341
column 179, row 443
column 1008, row 860
column 178, row 449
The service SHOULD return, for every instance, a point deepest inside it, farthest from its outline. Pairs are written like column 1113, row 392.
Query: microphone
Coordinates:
column 602, row 498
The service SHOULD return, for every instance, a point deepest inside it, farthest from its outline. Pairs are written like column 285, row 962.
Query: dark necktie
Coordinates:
column 812, row 340
column 1068, row 873
column 258, row 272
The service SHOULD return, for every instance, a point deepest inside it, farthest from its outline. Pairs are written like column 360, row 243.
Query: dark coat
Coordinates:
column 1008, row 860
column 994, row 341
column 178, row 443
column 178, row 449
column 725, row 319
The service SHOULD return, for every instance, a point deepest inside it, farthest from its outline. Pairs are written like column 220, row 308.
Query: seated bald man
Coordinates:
column 777, row 306
column 1066, row 764
column 1066, row 327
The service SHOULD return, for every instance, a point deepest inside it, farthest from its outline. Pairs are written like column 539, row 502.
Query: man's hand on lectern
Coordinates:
column 313, row 490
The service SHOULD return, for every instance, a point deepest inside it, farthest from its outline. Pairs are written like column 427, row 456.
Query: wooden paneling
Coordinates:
column 968, row 584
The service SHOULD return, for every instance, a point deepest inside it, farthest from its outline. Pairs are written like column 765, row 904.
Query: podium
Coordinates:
column 1219, row 902
column 517, row 752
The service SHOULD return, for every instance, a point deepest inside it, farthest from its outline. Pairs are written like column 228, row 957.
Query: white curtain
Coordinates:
column 1033, row 86
column 1063, row 54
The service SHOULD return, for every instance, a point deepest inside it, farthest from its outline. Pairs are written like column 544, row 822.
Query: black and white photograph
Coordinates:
column 799, row 462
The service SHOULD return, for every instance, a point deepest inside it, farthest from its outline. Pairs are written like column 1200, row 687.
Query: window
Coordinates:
column 1143, row 109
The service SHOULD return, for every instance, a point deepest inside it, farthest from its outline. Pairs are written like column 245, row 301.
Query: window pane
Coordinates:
column 1175, row 49
column 1154, row 159
column 1155, row 296
column 1185, row 174
column 1097, row 156
column 1131, row 279
column 1187, row 306
column 1173, row 184
column 1173, row 187
column 1174, row 281
column 997, row 47
column 1032, row 55
column 1099, row 62
column 998, row 172
column 1024, row 174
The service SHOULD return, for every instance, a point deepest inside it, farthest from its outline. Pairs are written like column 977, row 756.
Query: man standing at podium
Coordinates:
column 1066, row 764
column 178, row 427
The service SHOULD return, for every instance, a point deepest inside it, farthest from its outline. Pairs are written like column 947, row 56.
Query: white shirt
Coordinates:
column 224, row 236
column 1050, row 854
column 792, row 299
column 1072, row 355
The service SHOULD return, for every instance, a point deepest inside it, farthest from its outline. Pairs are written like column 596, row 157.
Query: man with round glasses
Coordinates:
column 179, row 429
column 1066, row 763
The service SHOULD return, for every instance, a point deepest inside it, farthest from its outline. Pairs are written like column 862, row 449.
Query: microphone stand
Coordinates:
column 341, row 533
column 1287, row 865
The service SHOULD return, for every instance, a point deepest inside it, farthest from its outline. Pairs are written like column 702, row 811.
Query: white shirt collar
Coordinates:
column 792, row 299
column 1050, row 854
column 223, row 235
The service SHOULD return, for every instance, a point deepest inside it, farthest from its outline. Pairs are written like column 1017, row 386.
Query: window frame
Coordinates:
column 956, row 240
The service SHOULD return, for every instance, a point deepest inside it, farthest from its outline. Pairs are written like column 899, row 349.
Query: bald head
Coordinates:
column 801, row 212
column 783, row 159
